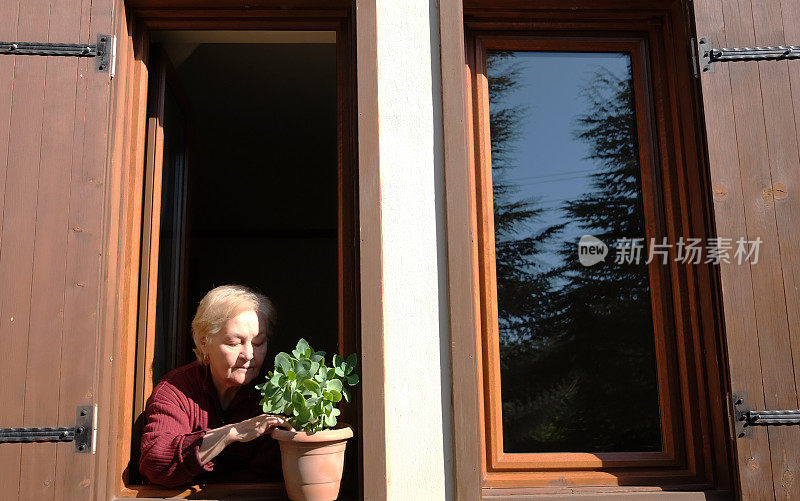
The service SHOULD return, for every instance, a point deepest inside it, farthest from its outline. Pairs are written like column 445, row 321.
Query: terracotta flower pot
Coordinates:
column 313, row 462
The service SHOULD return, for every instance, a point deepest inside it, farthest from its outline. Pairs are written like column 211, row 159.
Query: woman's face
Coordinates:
column 236, row 353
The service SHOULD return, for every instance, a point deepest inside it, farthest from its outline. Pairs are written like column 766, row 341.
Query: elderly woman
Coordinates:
column 204, row 417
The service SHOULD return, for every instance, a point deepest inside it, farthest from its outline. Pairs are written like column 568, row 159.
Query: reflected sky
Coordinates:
column 550, row 165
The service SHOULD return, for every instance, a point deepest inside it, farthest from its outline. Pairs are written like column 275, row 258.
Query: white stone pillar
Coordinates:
column 416, row 331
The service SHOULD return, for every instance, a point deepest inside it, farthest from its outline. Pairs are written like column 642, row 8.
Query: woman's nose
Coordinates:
column 248, row 351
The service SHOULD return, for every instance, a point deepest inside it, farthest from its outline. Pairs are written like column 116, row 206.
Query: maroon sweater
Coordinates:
column 183, row 406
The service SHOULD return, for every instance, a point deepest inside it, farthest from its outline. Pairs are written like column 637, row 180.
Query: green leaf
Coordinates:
column 270, row 391
column 299, row 401
column 311, row 385
column 337, row 360
column 303, row 369
column 283, row 362
column 304, row 416
column 346, row 394
column 351, row 362
column 334, row 384
column 352, row 379
column 339, row 371
column 335, row 396
column 302, row 347
column 331, row 373
column 290, row 375
column 276, row 401
column 330, row 420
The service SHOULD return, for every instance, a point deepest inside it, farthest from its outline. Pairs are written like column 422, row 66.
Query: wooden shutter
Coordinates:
column 751, row 112
column 53, row 143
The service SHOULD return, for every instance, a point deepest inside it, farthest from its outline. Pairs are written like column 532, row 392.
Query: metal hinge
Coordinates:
column 744, row 419
column 706, row 54
column 104, row 51
column 82, row 433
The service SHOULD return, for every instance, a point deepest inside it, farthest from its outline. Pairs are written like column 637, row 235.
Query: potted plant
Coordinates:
column 307, row 391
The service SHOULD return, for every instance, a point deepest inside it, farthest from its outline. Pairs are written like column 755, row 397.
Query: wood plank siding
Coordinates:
column 751, row 121
column 53, row 135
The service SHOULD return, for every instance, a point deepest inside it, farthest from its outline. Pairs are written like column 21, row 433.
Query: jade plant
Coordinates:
column 306, row 390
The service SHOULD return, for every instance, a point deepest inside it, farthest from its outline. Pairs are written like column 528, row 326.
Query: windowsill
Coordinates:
column 268, row 491
column 218, row 491
column 602, row 494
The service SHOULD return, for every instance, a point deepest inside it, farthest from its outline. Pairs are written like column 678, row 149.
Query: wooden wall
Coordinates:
column 752, row 111
column 53, row 134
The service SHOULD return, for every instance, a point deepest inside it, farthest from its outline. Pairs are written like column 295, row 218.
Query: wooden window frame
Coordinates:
column 165, row 80
column 661, row 296
column 673, row 169
column 134, row 19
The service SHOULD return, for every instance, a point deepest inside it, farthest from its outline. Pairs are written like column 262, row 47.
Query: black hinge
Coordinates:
column 706, row 54
column 745, row 419
column 103, row 50
column 81, row 433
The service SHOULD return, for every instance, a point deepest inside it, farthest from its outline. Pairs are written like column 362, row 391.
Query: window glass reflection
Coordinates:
column 578, row 369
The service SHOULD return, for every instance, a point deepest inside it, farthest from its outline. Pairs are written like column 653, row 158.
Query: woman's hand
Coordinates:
column 217, row 439
column 250, row 429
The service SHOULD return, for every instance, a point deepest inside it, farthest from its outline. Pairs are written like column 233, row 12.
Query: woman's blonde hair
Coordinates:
column 220, row 305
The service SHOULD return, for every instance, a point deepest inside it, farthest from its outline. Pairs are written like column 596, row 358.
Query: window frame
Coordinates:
column 660, row 292
column 137, row 221
column 704, row 462
column 164, row 80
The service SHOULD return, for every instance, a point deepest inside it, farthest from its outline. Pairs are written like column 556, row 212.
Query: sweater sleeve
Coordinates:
column 170, row 450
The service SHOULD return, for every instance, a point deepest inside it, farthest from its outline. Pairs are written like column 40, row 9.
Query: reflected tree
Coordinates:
column 523, row 282
column 576, row 343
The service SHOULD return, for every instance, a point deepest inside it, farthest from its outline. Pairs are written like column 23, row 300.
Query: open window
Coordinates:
column 589, row 339
column 249, row 179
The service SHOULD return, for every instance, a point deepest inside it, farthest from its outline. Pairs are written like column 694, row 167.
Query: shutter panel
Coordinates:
column 750, row 119
column 53, row 136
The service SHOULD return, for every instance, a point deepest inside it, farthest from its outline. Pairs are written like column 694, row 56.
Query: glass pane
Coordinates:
column 577, row 357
